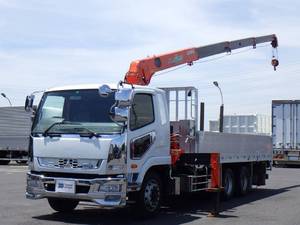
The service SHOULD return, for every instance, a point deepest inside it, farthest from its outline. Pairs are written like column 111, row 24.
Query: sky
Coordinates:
column 47, row 43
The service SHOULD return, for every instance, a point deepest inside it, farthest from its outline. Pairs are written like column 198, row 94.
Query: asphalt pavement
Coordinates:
column 277, row 203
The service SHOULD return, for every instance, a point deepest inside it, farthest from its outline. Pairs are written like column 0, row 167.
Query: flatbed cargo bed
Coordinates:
column 236, row 147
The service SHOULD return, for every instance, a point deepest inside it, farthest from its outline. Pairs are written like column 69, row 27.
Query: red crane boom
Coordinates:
column 141, row 71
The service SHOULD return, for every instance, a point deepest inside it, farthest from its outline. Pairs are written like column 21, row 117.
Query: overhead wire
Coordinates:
column 247, row 76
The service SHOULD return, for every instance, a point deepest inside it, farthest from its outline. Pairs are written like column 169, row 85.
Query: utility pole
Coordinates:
column 221, row 119
column 4, row 96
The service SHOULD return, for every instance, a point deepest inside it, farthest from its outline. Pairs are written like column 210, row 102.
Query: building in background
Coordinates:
column 214, row 125
column 245, row 124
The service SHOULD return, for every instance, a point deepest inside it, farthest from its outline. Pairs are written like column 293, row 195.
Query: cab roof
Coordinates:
column 92, row 86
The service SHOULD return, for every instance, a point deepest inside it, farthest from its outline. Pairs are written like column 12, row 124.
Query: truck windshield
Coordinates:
column 75, row 111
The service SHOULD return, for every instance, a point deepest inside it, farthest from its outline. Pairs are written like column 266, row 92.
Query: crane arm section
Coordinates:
column 141, row 71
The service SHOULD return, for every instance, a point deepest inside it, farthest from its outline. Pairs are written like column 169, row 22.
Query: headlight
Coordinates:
column 34, row 182
column 116, row 167
column 110, row 188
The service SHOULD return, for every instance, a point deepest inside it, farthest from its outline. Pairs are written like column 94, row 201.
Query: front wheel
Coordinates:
column 63, row 205
column 149, row 198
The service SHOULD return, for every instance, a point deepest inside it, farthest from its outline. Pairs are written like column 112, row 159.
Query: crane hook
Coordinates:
column 274, row 63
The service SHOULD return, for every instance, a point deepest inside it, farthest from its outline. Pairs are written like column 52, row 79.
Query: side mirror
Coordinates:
column 124, row 97
column 29, row 103
column 104, row 90
column 120, row 114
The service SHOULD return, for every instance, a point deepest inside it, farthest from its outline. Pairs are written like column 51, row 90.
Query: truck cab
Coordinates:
column 80, row 151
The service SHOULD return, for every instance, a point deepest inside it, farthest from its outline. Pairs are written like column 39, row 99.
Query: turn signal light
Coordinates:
column 133, row 166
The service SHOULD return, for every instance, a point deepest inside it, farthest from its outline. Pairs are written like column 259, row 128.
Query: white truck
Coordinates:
column 285, row 132
column 15, row 124
column 114, row 144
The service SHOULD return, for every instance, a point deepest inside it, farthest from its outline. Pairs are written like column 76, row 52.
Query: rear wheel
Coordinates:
column 148, row 200
column 228, row 184
column 243, row 181
column 62, row 205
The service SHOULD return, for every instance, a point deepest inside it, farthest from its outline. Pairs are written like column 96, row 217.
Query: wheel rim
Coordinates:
column 152, row 195
column 228, row 185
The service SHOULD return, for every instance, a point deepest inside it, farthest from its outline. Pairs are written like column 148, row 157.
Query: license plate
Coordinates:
column 65, row 186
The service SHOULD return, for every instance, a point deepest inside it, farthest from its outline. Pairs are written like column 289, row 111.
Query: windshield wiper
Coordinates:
column 89, row 133
column 46, row 132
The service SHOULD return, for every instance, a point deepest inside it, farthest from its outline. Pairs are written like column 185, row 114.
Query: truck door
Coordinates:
column 143, row 130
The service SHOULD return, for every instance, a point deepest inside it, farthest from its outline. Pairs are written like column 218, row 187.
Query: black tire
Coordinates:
column 21, row 162
column 228, row 184
column 4, row 162
column 148, row 199
column 62, row 205
column 243, row 181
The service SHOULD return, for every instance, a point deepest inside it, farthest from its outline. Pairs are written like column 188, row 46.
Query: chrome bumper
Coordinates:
column 106, row 192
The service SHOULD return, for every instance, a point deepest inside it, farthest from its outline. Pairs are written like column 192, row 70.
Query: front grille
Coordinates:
column 68, row 163
column 73, row 175
column 72, row 163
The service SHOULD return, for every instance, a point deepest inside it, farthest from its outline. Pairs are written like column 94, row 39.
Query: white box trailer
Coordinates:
column 286, row 131
column 15, row 125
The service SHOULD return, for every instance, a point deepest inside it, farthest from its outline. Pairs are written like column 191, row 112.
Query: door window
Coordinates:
column 142, row 112
column 139, row 146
